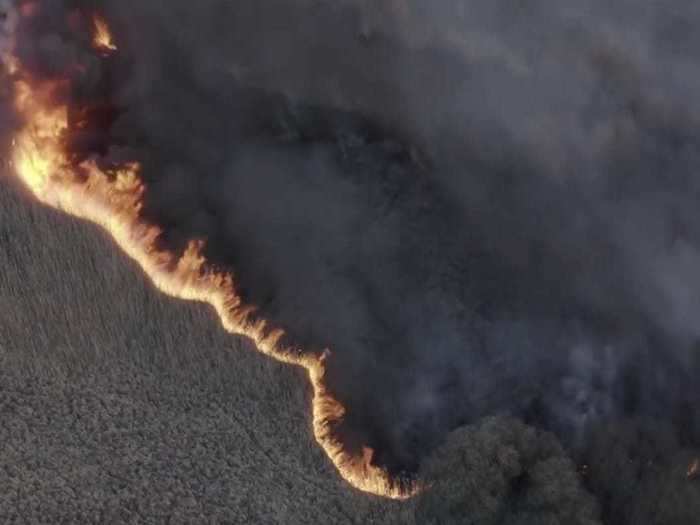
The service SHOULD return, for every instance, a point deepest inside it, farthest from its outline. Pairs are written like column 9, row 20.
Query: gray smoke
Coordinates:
column 479, row 207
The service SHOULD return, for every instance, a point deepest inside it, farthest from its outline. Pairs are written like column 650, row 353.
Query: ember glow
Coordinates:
column 694, row 469
column 102, row 40
column 112, row 198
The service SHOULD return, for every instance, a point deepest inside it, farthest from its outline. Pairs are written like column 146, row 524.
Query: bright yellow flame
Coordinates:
column 113, row 201
column 103, row 37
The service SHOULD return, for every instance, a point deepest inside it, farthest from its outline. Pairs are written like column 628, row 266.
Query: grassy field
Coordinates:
column 121, row 405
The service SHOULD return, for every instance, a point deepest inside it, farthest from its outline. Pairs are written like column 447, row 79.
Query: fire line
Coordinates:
column 113, row 200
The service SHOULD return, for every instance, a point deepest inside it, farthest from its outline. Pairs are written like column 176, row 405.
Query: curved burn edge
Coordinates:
column 112, row 198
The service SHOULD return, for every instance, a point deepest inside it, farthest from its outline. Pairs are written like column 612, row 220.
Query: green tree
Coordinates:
column 638, row 470
column 502, row 472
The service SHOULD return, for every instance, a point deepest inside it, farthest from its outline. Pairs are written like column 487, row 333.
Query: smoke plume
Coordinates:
column 477, row 207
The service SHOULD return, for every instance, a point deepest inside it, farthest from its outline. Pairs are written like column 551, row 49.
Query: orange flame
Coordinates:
column 114, row 200
column 102, row 39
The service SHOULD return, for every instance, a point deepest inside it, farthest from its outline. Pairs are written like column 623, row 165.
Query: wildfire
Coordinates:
column 102, row 40
column 694, row 469
column 113, row 199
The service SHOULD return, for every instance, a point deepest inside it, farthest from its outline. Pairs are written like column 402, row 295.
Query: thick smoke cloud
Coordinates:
column 478, row 207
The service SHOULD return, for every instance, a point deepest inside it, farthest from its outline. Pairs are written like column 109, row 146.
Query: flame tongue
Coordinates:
column 113, row 200
column 102, row 39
